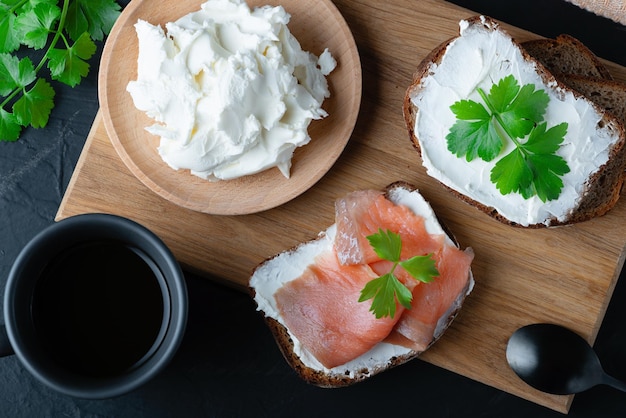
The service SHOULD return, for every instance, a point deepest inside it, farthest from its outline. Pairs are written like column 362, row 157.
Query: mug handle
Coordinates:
column 5, row 344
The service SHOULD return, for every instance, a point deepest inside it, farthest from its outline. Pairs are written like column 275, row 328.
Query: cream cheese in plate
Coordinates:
column 481, row 57
column 230, row 89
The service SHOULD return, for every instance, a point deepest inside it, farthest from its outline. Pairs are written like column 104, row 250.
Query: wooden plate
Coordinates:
column 317, row 24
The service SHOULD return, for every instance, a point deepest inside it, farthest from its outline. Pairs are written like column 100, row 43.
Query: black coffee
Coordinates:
column 98, row 308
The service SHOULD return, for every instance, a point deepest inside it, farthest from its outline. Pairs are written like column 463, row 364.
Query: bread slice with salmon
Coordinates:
column 310, row 295
column 593, row 146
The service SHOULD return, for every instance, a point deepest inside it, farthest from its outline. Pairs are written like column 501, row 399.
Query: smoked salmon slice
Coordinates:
column 434, row 302
column 321, row 309
column 363, row 213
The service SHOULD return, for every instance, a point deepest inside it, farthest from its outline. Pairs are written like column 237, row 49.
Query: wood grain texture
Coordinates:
column 562, row 275
column 317, row 24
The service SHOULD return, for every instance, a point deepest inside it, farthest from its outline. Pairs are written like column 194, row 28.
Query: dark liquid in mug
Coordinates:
column 98, row 308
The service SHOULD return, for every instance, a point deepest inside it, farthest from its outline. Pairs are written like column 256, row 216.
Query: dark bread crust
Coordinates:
column 317, row 377
column 336, row 380
column 603, row 188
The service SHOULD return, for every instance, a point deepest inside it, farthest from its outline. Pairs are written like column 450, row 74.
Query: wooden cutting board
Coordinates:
column 562, row 275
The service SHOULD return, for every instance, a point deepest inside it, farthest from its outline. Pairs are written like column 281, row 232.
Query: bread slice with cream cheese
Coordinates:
column 273, row 274
column 483, row 53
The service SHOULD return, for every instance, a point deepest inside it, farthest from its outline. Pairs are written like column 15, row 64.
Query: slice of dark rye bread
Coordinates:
column 566, row 55
column 336, row 379
column 602, row 189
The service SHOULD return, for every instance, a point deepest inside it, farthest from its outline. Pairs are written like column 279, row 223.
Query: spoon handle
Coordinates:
column 613, row 382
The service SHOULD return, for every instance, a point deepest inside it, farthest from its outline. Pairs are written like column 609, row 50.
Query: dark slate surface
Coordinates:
column 228, row 364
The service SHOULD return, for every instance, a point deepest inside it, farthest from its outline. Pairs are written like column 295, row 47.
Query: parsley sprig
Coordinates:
column 516, row 114
column 65, row 31
column 386, row 289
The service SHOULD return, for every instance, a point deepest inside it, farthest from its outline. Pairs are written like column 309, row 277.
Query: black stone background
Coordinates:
column 228, row 364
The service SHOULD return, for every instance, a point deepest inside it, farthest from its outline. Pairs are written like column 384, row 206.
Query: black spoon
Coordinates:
column 554, row 359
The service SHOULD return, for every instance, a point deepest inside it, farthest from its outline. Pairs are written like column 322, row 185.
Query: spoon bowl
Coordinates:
column 556, row 360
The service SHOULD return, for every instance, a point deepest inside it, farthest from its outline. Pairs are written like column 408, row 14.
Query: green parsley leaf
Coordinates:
column 9, row 127
column 512, row 174
column 34, row 107
column 48, row 25
column 542, row 141
column 421, row 267
column 387, row 290
column 472, row 139
column 525, row 111
column 8, row 41
column 94, row 16
column 15, row 73
column 68, row 65
column 33, row 27
column 386, row 244
column 22, row 6
column 510, row 113
column 503, row 93
column 533, row 168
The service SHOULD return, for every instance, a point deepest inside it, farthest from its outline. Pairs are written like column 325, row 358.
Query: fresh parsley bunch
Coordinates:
column 65, row 31
column 386, row 289
column 516, row 114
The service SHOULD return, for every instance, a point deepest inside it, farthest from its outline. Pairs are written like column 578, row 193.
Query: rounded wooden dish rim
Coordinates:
column 125, row 125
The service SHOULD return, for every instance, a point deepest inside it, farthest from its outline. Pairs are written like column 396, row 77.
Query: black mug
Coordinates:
column 95, row 306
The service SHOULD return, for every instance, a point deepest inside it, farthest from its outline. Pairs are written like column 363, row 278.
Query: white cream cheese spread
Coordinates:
column 481, row 57
column 230, row 88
